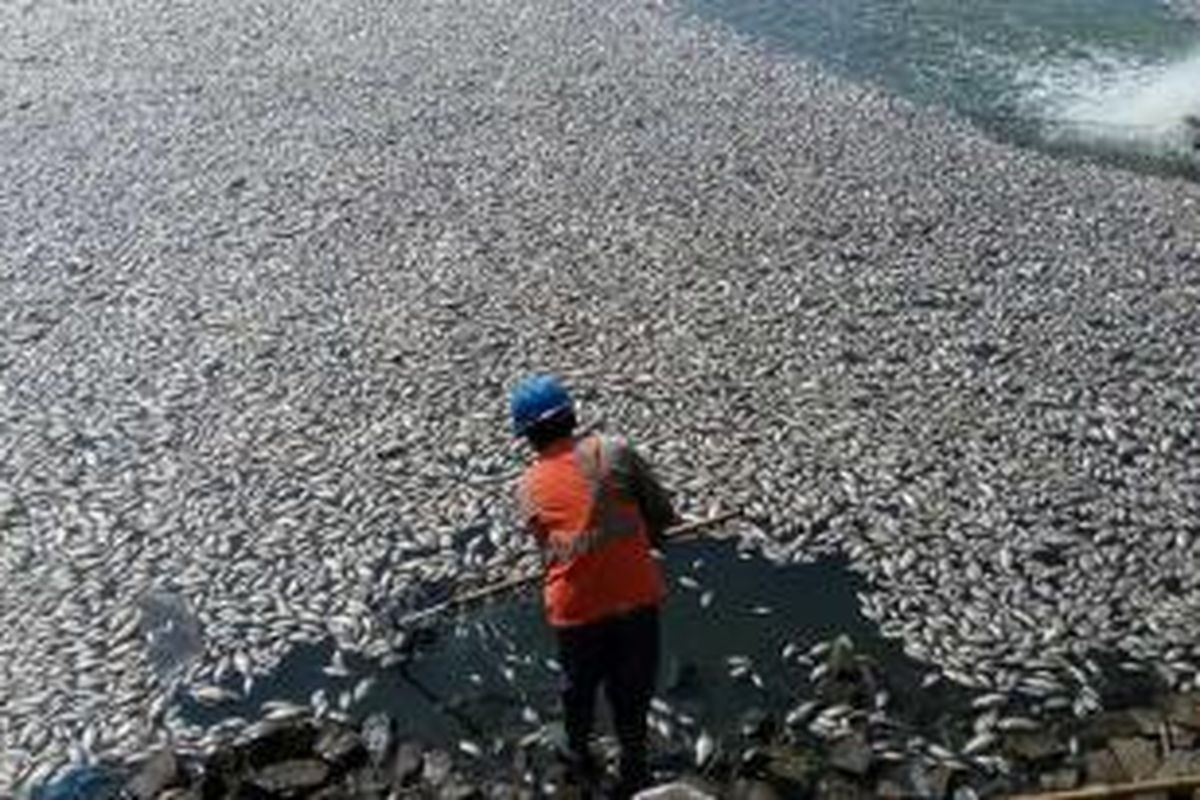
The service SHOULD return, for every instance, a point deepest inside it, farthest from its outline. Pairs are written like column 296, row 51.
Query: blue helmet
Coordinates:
column 535, row 399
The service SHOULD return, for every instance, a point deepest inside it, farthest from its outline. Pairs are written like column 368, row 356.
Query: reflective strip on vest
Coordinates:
column 612, row 516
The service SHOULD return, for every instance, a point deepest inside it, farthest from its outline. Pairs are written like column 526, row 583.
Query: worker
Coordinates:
column 596, row 511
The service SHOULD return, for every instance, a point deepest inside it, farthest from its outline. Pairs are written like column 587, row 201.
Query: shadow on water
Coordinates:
column 491, row 672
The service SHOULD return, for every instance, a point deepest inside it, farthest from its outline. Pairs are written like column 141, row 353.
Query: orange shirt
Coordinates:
column 593, row 534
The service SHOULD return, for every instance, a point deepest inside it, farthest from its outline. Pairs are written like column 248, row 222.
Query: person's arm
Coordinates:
column 643, row 485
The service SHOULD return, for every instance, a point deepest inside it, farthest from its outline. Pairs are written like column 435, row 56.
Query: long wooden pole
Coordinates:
column 1103, row 791
column 509, row 584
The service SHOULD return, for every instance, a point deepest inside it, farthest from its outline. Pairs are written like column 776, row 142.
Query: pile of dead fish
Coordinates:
column 268, row 274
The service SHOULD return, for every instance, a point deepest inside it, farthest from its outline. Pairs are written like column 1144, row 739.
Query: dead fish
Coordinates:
column 706, row 747
column 980, row 742
column 362, row 688
column 800, row 713
column 213, row 695
column 336, row 668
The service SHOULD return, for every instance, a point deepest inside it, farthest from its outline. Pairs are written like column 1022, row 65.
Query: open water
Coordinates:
column 1106, row 78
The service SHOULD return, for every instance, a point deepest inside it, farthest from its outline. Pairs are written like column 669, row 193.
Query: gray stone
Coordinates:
column 1184, row 709
column 408, row 764
column 1177, row 763
column 751, row 789
column 291, row 776
column 939, row 778
column 1034, row 745
column 1181, row 738
column 379, row 737
column 340, row 746
column 791, row 770
column 437, row 767
column 677, row 790
column 1059, row 780
column 851, row 754
column 1148, row 721
column 1138, row 756
column 459, row 790
column 157, row 773
column 285, row 743
column 181, row 793
column 1101, row 766
column 837, row 787
column 893, row 790
column 1109, row 725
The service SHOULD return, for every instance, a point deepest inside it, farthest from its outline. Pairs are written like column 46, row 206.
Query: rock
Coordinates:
column 678, row 790
column 1059, row 780
column 379, row 737
column 182, row 793
column 837, row 787
column 938, row 781
column 1109, row 725
column 459, row 790
column 753, row 789
column 892, row 790
column 851, row 754
column 1138, row 757
column 1148, row 721
column 1034, row 745
column 903, row 780
column 437, row 767
column 362, row 784
column 223, row 774
column 286, row 743
column 156, row 774
column 1101, row 766
column 790, row 770
column 407, row 764
column 1181, row 738
column 291, row 776
column 1179, row 762
column 1184, row 710
column 341, row 747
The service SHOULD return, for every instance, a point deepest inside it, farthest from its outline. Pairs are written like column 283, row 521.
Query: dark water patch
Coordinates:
column 492, row 673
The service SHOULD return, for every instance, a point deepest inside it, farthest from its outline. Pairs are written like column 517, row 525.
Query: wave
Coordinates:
column 1108, row 103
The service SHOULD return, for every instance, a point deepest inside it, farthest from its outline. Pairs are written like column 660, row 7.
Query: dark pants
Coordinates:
column 622, row 654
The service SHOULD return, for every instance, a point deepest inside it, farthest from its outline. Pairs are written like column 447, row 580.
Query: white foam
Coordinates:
column 1106, row 102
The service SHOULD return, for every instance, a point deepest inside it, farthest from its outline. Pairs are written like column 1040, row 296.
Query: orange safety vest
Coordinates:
column 593, row 535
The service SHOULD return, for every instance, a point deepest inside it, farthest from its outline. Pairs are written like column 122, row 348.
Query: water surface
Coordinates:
column 1109, row 78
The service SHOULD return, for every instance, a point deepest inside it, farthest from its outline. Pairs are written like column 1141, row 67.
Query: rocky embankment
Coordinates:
column 332, row 760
